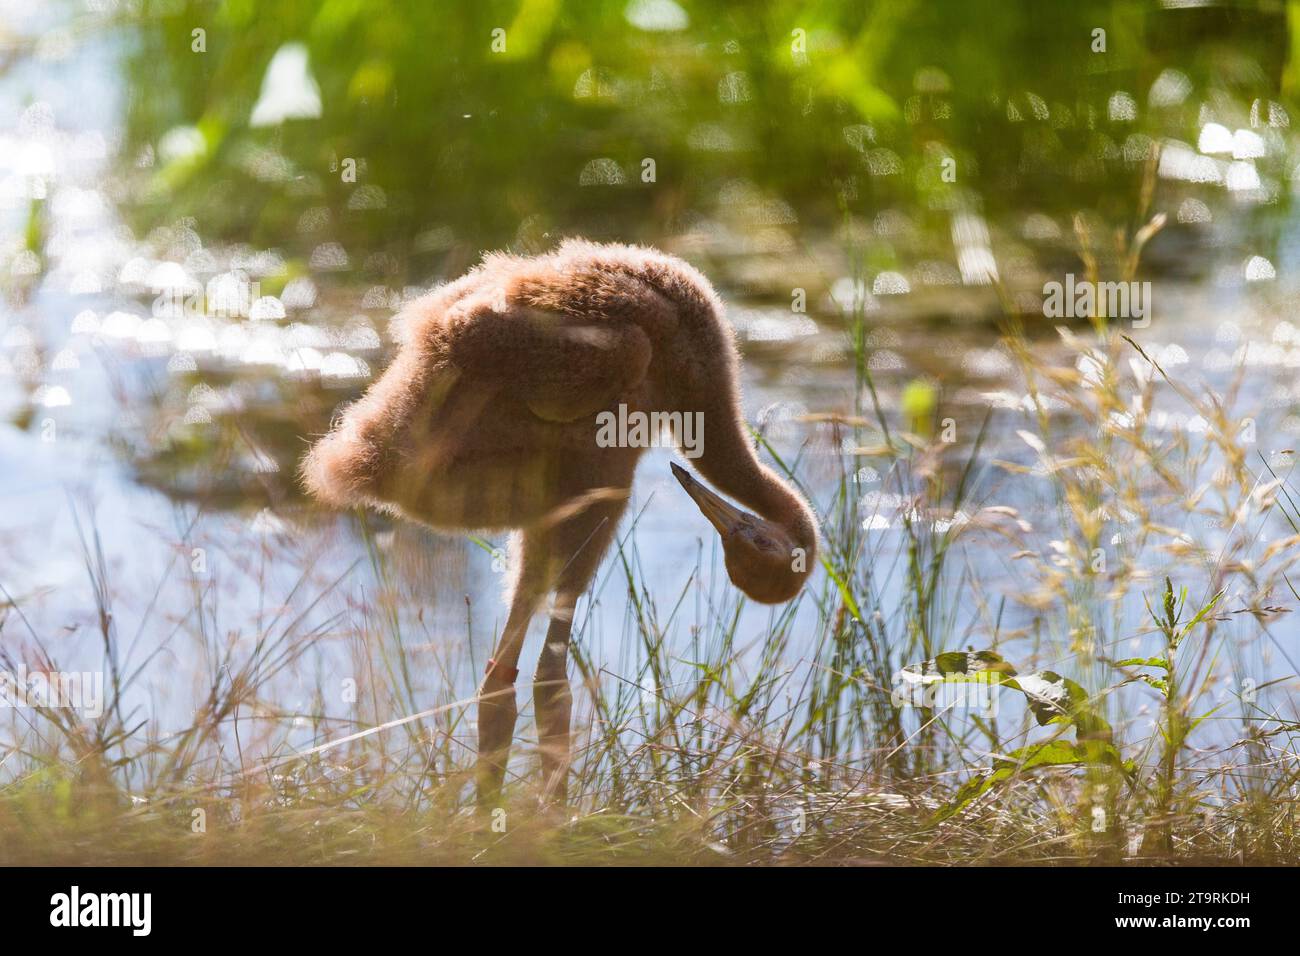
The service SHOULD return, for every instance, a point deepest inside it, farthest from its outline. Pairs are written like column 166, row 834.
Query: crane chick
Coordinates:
column 487, row 419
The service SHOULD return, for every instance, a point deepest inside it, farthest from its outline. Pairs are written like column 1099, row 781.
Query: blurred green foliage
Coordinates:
column 819, row 108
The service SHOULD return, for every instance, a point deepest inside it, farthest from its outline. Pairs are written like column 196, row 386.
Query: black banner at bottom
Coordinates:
column 338, row 905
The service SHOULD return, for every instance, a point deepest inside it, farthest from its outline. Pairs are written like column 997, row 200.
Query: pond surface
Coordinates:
column 204, row 250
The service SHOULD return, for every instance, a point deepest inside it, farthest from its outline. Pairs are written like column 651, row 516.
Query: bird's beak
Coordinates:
column 723, row 515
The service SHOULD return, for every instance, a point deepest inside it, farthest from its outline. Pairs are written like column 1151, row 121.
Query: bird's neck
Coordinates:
column 730, row 464
column 699, row 370
column 782, row 505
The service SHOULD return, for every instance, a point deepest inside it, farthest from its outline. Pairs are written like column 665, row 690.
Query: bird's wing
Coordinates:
column 562, row 366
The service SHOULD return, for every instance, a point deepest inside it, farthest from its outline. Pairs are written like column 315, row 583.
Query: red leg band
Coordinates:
column 501, row 672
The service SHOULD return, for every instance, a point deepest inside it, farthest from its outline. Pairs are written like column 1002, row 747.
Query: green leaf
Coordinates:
column 1143, row 662
column 846, row 595
column 1159, row 683
column 960, row 666
column 1200, row 615
column 1196, row 721
column 1053, row 753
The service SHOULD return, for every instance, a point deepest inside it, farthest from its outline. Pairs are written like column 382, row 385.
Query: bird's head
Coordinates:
column 763, row 558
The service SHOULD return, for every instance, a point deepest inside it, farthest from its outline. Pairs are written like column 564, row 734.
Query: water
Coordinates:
column 172, row 438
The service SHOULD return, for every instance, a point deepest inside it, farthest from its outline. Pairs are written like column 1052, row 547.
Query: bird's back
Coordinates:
column 486, row 418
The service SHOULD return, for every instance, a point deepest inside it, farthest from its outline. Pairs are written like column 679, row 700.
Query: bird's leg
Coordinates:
column 577, row 546
column 553, row 702
column 497, row 709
